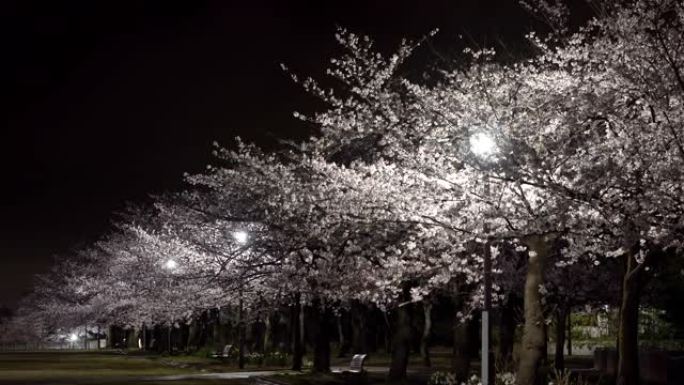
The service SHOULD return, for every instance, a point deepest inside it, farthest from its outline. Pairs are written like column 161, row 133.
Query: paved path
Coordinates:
column 223, row 375
column 262, row 373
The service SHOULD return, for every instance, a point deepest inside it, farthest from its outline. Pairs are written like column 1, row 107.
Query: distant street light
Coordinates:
column 73, row 337
column 240, row 236
column 483, row 146
column 170, row 264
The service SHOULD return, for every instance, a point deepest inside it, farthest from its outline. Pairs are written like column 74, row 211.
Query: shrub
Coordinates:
column 255, row 359
column 276, row 359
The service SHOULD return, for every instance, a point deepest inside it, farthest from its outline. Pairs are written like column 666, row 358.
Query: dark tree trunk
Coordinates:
column 268, row 334
column 507, row 326
column 110, row 337
column 169, row 338
column 465, row 337
column 131, row 338
column 569, row 332
column 628, row 329
column 427, row 330
column 143, row 337
column 386, row 333
column 297, row 348
column 359, row 335
column 241, row 334
column 320, row 328
column 401, row 342
column 532, row 352
column 561, row 316
column 342, row 333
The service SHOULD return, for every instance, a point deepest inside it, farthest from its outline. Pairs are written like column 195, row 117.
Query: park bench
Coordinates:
column 223, row 354
column 356, row 364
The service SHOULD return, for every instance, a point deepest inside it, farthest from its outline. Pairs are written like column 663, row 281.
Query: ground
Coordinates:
column 67, row 368
column 89, row 368
column 96, row 368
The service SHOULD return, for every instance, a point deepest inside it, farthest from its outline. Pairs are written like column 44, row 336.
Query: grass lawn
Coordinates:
column 86, row 368
column 94, row 368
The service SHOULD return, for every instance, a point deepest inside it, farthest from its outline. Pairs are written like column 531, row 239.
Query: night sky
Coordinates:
column 110, row 101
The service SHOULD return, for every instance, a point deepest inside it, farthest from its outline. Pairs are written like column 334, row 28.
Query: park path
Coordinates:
column 222, row 375
column 261, row 373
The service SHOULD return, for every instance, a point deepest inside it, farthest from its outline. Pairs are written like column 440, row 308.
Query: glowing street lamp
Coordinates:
column 171, row 264
column 73, row 337
column 240, row 236
column 483, row 146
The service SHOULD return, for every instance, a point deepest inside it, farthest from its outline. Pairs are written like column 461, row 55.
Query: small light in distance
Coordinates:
column 170, row 264
column 240, row 237
column 482, row 144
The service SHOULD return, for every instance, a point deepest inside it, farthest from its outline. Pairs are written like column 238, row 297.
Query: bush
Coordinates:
column 442, row 378
column 276, row 359
column 255, row 359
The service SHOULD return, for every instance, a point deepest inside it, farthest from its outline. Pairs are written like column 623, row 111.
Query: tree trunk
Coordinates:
column 532, row 351
column 320, row 328
column 343, row 343
column 131, row 339
column 241, row 334
column 358, row 321
column 628, row 344
column 169, row 340
column 401, row 343
column 267, row 333
column 465, row 336
column 561, row 316
column 507, row 326
column 569, row 332
column 297, row 348
column 427, row 329
column 143, row 337
column 110, row 337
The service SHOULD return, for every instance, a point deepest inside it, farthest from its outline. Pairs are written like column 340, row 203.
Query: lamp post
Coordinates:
column 483, row 146
column 241, row 237
column 170, row 265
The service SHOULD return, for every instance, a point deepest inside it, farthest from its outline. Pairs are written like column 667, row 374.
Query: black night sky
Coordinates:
column 109, row 101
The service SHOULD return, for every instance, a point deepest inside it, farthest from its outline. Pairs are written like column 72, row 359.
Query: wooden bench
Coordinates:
column 356, row 364
column 223, row 354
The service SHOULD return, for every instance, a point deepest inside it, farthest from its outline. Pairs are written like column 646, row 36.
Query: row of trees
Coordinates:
column 551, row 165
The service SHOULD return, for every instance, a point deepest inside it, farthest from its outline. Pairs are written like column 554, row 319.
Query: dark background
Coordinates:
column 107, row 102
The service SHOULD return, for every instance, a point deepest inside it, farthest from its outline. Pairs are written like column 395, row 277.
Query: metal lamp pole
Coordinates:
column 483, row 146
column 487, row 367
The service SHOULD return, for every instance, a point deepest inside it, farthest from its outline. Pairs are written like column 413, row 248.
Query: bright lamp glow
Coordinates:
column 482, row 144
column 73, row 337
column 170, row 264
column 240, row 236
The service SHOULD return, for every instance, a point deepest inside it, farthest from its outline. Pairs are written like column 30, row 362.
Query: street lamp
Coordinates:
column 484, row 146
column 170, row 264
column 240, row 236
